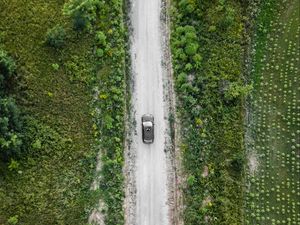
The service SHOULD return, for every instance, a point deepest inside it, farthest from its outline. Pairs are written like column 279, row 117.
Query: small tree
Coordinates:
column 56, row 36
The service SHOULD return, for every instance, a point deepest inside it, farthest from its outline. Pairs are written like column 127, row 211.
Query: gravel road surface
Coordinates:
column 148, row 97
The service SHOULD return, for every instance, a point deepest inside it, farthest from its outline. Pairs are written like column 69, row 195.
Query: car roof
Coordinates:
column 148, row 131
column 147, row 117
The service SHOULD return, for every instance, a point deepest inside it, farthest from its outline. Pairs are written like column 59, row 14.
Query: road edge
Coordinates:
column 175, row 200
column 129, row 167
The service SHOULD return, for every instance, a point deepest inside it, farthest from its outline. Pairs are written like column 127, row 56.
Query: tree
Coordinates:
column 187, row 6
column 237, row 163
column 191, row 49
column 10, row 127
column 56, row 36
column 101, row 38
column 83, row 12
column 7, row 70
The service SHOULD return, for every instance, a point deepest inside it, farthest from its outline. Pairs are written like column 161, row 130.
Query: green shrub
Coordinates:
column 191, row 49
column 187, row 6
column 55, row 66
column 229, row 18
column 13, row 165
column 7, row 69
column 37, row 144
column 191, row 180
column 10, row 125
column 80, row 21
column 83, row 12
column 197, row 58
column 212, row 28
column 56, row 36
column 99, row 52
column 13, row 220
column 237, row 163
column 236, row 90
column 186, row 43
column 101, row 38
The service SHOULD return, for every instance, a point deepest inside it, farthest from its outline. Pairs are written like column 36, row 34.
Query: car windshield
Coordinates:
column 147, row 124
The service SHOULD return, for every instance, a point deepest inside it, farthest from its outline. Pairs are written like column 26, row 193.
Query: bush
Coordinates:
column 7, row 69
column 101, row 38
column 237, row 163
column 191, row 49
column 197, row 58
column 230, row 15
column 83, row 12
column 80, row 21
column 186, row 6
column 55, row 66
column 185, row 44
column 237, row 90
column 10, row 125
column 99, row 52
column 191, row 180
column 56, row 36
column 13, row 165
column 13, row 220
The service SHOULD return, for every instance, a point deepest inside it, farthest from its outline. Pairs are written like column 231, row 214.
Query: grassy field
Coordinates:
column 72, row 96
column 51, row 184
column 273, row 144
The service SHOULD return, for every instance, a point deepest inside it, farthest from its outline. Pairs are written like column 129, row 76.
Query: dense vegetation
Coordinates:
column 109, row 106
column 209, row 41
column 49, row 181
column 70, row 63
column 62, row 99
column 273, row 140
column 207, row 48
column 10, row 119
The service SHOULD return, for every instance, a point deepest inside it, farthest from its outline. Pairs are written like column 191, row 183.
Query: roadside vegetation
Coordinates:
column 207, row 48
column 273, row 142
column 222, row 51
column 109, row 106
column 61, row 101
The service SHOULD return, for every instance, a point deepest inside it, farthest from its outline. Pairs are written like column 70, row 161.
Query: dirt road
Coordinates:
column 150, row 174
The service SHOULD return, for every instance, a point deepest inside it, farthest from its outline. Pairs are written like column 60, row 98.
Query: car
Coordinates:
column 148, row 128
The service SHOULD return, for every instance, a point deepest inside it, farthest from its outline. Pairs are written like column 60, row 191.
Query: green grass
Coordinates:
column 51, row 185
column 211, row 93
column 274, row 193
column 73, row 99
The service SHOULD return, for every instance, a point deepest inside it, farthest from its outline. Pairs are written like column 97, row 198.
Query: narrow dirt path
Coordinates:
column 147, row 193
